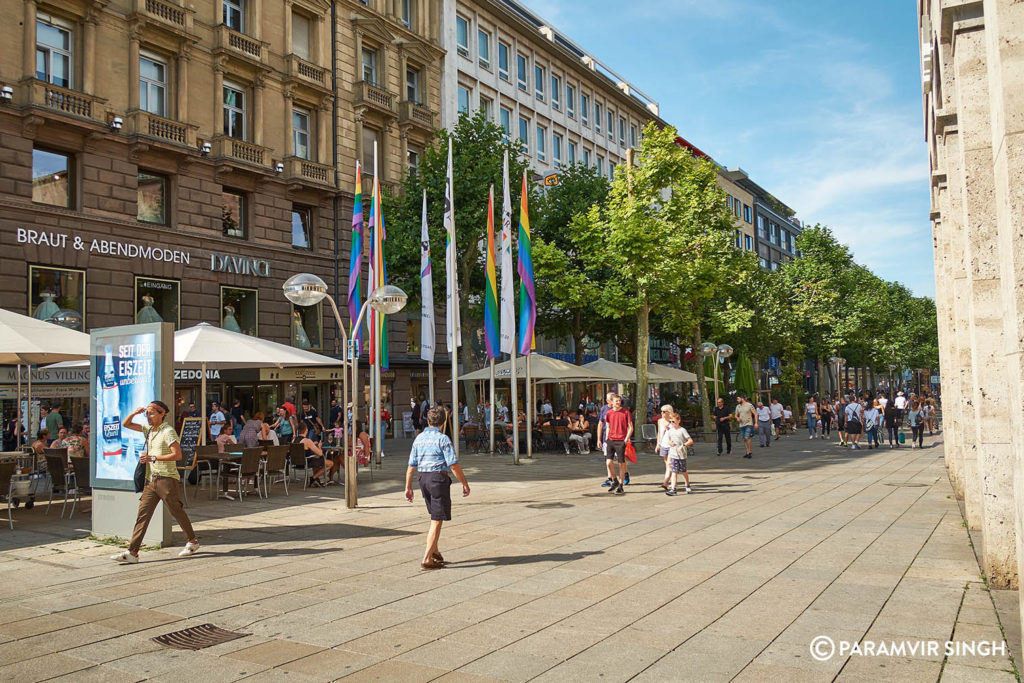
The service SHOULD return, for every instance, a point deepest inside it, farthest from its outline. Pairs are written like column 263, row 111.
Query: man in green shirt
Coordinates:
column 54, row 421
column 161, row 456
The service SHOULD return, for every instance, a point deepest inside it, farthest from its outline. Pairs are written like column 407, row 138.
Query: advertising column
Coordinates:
column 131, row 367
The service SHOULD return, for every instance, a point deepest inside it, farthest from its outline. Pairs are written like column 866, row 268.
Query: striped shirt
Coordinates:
column 432, row 451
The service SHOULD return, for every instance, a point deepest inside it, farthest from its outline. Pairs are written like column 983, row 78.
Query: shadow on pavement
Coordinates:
column 524, row 559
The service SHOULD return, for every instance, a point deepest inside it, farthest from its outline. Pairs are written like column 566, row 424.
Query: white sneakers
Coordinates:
column 190, row 548
column 125, row 557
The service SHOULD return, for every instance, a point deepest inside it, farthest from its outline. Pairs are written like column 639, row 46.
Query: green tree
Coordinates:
column 478, row 146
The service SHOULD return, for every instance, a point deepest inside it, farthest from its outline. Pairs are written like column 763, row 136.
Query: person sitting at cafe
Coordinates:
column 314, row 457
column 252, row 431
column 77, row 445
column 42, row 441
column 579, row 433
column 224, row 439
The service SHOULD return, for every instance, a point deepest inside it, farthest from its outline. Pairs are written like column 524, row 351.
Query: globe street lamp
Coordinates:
column 306, row 289
column 720, row 352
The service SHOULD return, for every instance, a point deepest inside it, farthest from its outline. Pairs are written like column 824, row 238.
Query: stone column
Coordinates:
column 1005, row 52
column 288, row 30
column 89, row 54
column 258, row 86
column 184, row 57
column 218, row 99
column 28, row 58
column 288, row 149
column 323, row 130
column 133, row 68
column 991, row 390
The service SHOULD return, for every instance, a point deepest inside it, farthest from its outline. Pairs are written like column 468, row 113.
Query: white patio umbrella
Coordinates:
column 208, row 347
column 543, row 368
column 656, row 374
column 27, row 341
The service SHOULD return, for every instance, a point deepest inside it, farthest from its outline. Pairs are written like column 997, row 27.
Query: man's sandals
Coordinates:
column 435, row 562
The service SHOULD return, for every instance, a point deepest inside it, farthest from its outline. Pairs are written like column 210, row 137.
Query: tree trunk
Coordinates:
column 702, row 385
column 577, row 341
column 643, row 336
column 873, row 386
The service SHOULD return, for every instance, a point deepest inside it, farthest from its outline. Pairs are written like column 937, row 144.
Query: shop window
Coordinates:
column 307, row 330
column 152, row 198
column 157, row 301
column 301, row 217
column 57, row 295
column 239, row 310
column 233, row 220
column 412, row 336
column 51, row 178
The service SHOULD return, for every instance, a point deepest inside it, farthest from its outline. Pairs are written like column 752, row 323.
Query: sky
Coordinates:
column 819, row 101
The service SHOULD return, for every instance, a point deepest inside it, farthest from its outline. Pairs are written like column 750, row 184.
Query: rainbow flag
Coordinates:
column 378, row 278
column 355, row 263
column 491, row 287
column 524, row 266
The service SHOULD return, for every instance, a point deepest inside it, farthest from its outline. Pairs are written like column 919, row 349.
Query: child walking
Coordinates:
column 679, row 440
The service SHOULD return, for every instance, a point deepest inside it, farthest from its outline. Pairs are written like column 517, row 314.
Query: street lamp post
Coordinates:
column 839, row 361
column 720, row 352
column 892, row 368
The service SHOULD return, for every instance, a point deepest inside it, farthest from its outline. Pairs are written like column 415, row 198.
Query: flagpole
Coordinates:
column 452, row 288
column 529, row 409
column 492, row 407
column 430, row 382
column 515, row 411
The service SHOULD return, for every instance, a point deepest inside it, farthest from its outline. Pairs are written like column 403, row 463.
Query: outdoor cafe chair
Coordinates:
column 249, row 466
column 547, row 435
column 205, row 466
column 471, row 435
column 297, row 461
column 276, row 462
column 500, row 444
column 562, row 436
column 61, row 477
column 649, row 432
column 7, row 485
column 80, row 473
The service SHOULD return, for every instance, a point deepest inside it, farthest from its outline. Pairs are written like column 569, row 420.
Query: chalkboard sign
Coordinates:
column 191, row 430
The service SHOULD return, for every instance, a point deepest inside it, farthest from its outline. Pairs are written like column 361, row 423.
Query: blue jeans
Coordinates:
column 872, row 433
column 812, row 425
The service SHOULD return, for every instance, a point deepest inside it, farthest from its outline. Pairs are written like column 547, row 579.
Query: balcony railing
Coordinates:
column 416, row 114
column 168, row 13
column 240, row 150
column 64, row 100
column 375, row 96
column 241, row 45
column 306, row 71
column 145, row 123
column 296, row 168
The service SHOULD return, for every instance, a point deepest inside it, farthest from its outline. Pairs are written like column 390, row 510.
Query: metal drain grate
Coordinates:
column 197, row 637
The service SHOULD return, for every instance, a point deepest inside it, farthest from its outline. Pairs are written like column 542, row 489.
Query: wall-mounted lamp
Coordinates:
column 6, row 94
column 205, row 148
column 116, row 123
column 279, row 167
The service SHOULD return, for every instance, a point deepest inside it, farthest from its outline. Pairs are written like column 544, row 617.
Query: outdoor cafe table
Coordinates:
column 219, row 458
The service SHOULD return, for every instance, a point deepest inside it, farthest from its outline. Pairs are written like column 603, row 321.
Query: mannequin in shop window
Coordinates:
column 148, row 314
column 230, row 322
column 48, row 308
column 299, row 336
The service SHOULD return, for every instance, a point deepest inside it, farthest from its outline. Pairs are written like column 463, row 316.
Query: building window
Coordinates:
column 371, row 137
column 51, row 178
column 541, row 142
column 407, row 13
column 301, row 217
column 233, row 221
column 53, row 53
column 748, row 242
column 462, row 35
column 483, row 47
column 597, row 117
column 622, row 131
column 157, row 301
column 524, row 133
column 503, row 61
column 570, row 101
column 300, row 35
column 151, row 206
column 538, row 81
column 556, row 148
column 487, row 107
column 412, row 85
column 463, row 100
column 611, row 118
column 412, row 160
column 773, row 233
column 152, row 85
column 600, row 165
column 556, row 89
column 54, row 291
column 307, row 330
column 300, row 133
column 370, row 66
column 584, row 109
column 234, row 112
column 586, row 157
column 239, row 310
column 521, row 72
column 572, row 152
column 737, row 239
column 413, row 336
column 611, row 170
column 764, row 264
column 760, row 227
column 728, row 202
column 746, row 212
column 234, row 15
column 632, row 136
column 505, row 120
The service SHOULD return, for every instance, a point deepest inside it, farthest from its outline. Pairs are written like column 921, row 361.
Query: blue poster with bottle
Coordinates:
column 129, row 371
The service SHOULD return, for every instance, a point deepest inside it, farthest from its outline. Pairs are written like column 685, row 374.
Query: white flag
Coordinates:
column 508, row 313
column 426, row 291
column 451, row 267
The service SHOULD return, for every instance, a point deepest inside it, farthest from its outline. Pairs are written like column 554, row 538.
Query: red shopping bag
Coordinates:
column 630, row 452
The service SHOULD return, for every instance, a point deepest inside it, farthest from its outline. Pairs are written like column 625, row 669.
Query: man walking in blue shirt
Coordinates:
column 433, row 456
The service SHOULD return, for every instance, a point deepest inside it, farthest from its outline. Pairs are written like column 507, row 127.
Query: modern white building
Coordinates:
column 541, row 87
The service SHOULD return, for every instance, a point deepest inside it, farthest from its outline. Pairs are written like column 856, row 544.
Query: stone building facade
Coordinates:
column 972, row 59
column 182, row 160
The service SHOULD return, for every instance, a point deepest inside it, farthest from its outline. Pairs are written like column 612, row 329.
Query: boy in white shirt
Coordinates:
column 679, row 440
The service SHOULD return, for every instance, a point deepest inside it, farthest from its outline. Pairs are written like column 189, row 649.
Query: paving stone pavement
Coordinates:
column 550, row 579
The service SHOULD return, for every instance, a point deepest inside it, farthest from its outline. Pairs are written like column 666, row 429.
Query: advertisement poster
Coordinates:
column 129, row 371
